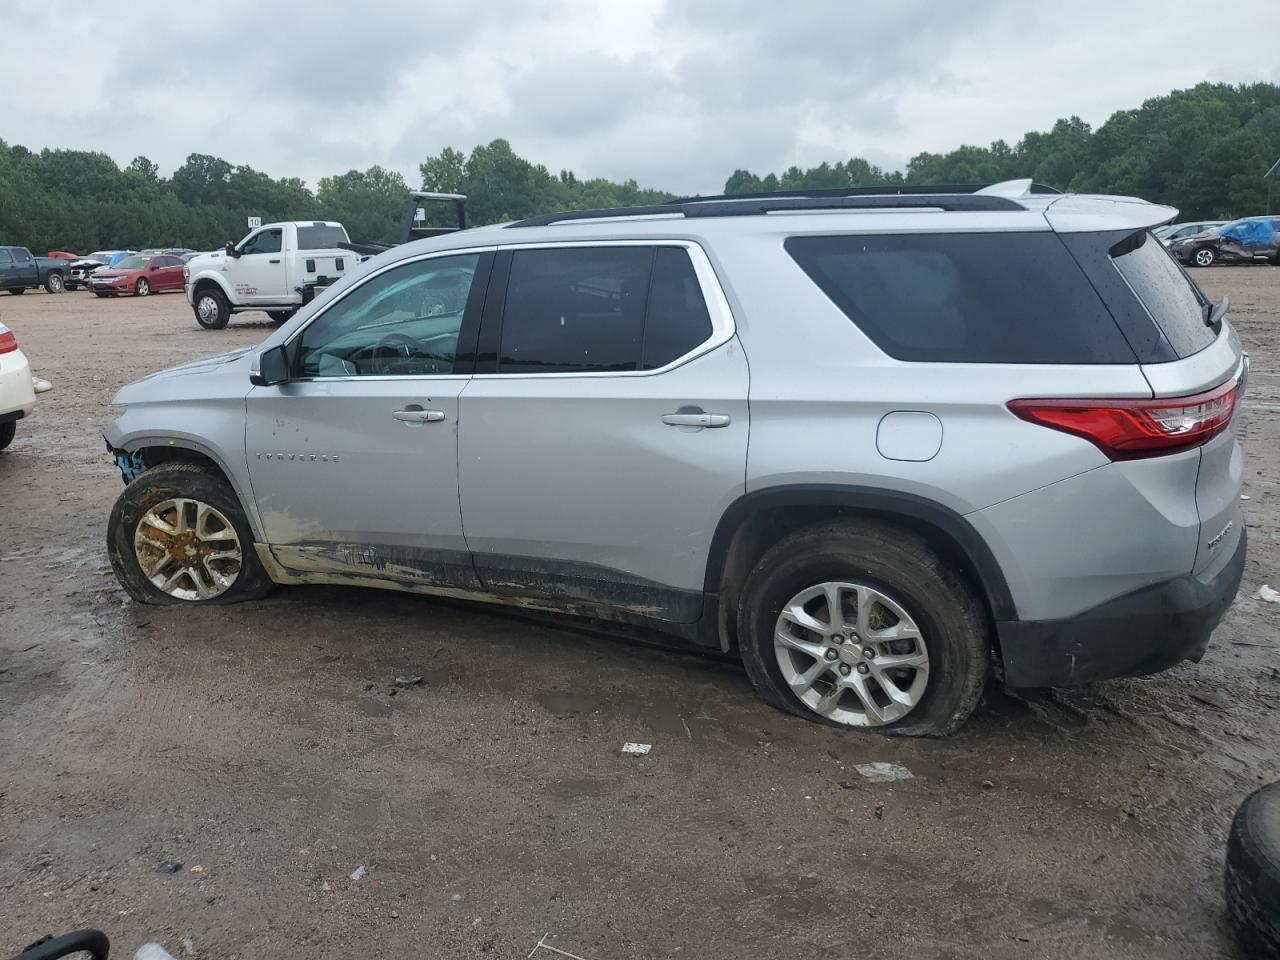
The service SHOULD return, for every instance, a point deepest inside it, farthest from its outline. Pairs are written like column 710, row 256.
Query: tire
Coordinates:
column 1253, row 874
column 211, row 309
column 17, row 290
column 894, row 568
column 1204, row 257
column 7, row 432
column 280, row 316
column 54, row 283
column 143, row 288
column 187, row 482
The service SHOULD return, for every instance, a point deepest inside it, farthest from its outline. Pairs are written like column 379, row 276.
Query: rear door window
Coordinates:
column 1174, row 302
column 600, row 309
column 965, row 297
column 574, row 310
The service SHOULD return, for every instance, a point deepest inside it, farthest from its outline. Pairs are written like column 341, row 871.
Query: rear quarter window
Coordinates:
column 1173, row 300
column 965, row 297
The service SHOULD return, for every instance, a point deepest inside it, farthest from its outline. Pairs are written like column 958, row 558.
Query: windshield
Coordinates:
column 133, row 263
column 100, row 255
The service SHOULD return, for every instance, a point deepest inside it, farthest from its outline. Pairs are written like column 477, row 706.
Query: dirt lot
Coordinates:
column 266, row 748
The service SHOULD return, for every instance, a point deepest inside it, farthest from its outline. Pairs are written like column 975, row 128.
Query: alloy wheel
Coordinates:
column 187, row 549
column 1204, row 258
column 851, row 653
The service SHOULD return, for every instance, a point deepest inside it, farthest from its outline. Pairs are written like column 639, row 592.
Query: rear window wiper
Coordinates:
column 1214, row 311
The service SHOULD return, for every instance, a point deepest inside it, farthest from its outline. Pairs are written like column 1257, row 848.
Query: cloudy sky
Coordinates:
column 675, row 93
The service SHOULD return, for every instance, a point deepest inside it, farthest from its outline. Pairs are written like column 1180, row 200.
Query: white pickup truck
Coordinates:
column 277, row 268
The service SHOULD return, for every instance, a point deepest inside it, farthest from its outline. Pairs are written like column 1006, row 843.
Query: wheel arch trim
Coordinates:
column 888, row 503
column 134, row 442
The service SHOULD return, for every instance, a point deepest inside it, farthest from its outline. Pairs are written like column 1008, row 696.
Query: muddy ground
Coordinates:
column 266, row 749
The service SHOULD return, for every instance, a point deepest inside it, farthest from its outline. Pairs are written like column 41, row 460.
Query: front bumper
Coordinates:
column 1133, row 635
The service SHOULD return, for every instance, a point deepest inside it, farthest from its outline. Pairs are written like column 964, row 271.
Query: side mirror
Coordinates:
column 155, row 266
column 231, row 250
column 273, row 367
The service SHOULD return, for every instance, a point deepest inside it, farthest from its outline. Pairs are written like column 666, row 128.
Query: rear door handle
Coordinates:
column 419, row 416
column 273, row 261
column 696, row 419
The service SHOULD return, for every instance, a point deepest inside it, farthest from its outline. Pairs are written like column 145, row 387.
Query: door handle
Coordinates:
column 696, row 419
column 273, row 261
column 419, row 416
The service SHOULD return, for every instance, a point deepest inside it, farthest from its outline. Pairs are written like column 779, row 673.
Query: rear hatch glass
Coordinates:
column 1170, row 296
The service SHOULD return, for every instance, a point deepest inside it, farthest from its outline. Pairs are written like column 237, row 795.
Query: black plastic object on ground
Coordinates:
column 1253, row 874
column 92, row 942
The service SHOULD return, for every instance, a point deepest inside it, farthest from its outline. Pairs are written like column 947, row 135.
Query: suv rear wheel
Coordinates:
column 864, row 625
column 178, row 534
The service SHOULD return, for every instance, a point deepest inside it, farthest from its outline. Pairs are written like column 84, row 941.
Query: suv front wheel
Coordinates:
column 864, row 625
column 177, row 534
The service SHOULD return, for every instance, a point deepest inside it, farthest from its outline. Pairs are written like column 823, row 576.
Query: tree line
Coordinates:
column 1204, row 150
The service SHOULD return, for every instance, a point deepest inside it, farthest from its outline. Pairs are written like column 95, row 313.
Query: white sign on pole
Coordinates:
column 255, row 223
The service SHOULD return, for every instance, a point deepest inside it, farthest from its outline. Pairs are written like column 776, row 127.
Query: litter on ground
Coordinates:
column 880, row 772
column 358, row 872
column 1267, row 594
column 636, row 748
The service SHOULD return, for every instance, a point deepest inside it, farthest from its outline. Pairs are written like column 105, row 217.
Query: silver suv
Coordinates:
column 881, row 445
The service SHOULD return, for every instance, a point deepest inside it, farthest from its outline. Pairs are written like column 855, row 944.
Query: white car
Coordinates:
column 17, row 396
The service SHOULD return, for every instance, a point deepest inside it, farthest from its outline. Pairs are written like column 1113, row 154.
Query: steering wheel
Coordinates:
column 408, row 351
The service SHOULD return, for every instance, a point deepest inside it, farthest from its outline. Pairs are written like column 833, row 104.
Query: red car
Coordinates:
column 139, row 275
column 63, row 255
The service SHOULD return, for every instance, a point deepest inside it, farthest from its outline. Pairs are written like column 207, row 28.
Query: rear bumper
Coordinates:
column 1136, row 634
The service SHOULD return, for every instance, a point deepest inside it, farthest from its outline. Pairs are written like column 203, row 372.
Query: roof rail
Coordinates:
column 756, row 205
column 881, row 190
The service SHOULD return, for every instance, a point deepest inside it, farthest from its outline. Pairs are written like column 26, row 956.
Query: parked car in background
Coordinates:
column 83, row 268
column 120, row 255
column 62, row 255
column 1191, row 228
column 17, row 395
column 139, row 276
column 877, row 444
column 20, row 271
column 1250, row 240
column 276, row 268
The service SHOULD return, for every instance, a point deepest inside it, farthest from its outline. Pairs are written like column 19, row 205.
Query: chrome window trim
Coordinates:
column 723, row 326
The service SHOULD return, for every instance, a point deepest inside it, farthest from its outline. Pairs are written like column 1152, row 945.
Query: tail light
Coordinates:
column 1133, row 429
column 8, row 342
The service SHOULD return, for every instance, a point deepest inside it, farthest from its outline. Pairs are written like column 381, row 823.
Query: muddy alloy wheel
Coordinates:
column 851, row 653
column 187, row 549
column 178, row 535
column 54, row 283
column 863, row 624
column 1204, row 257
column 143, row 287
